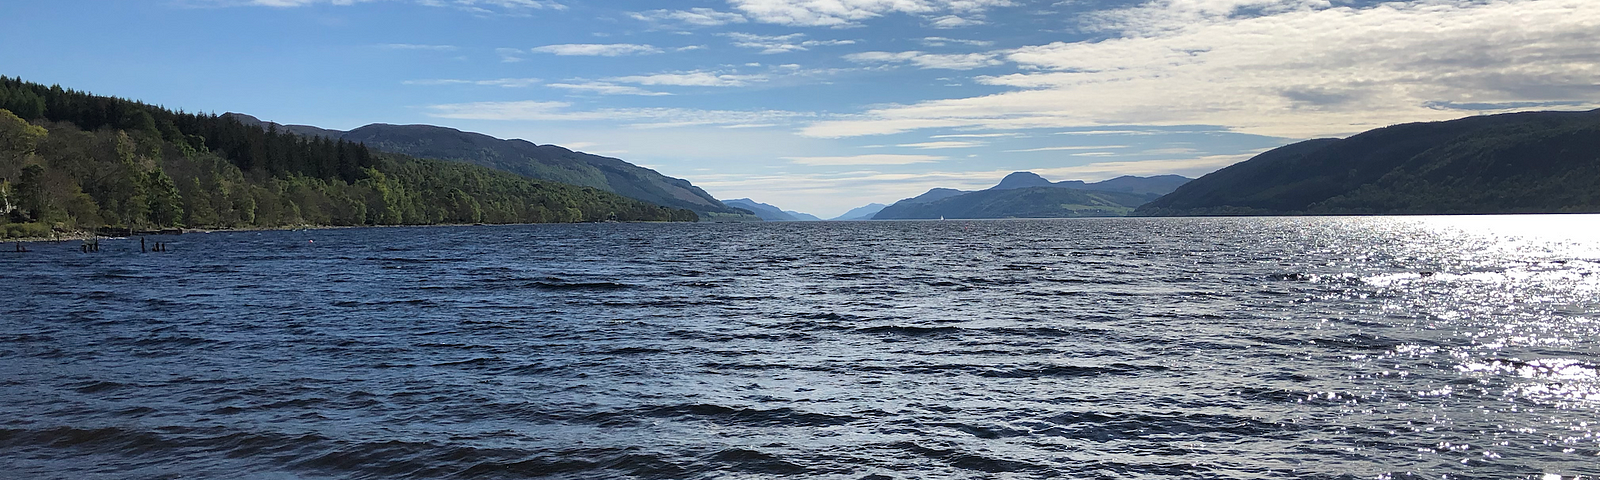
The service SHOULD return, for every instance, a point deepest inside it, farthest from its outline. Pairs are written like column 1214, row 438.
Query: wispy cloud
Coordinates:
column 942, row 41
column 844, row 13
column 1282, row 68
column 966, row 61
column 513, row 8
column 953, row 21
column 871, row 159
column 977, row 135
column 694, row 17
column 631, row 117
column 1069, row 148
column 771, row 44
column 691, row 79
column 509, row 55
column 603, row 88
column 598, row 49
column 942, row 145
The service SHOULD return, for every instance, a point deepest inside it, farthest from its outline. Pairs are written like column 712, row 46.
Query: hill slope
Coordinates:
column 72, row 161
column 1512, row 163
column 1157, row 185
column 864, row 212
column 770, row 213
column 544, row 162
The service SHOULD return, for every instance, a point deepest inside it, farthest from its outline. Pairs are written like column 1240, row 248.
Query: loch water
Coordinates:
column 1337, row 347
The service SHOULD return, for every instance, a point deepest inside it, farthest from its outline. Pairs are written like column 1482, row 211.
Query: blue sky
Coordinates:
column 824, row 105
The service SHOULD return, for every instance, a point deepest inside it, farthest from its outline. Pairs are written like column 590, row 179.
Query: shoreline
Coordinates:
column 80, row 235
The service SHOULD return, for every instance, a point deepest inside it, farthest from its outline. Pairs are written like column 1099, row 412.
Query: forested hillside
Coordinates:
column 74, row 161
column 542, row 162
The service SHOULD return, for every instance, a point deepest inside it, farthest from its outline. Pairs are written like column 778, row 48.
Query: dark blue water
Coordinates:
column 1459, row 347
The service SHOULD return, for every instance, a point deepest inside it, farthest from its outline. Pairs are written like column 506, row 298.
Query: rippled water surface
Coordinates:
column 1459, row 347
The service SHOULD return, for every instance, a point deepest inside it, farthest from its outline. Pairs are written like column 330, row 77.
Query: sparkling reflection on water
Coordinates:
column 1461, row 347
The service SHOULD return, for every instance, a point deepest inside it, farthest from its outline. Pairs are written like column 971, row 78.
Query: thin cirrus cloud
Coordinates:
column 603, row 88
column 598, row 49
column 1281, row 68
column 530, row 110
column 869, row 159
column 1068, row 148
column 773, row 44
column 941, row 145
column 694, row 17
column 691, row 79
column 943, row 41
column 960, row 61
column 846, row 13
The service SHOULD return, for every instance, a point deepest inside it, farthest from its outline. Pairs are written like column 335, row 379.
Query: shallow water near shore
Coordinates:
column 1373, row 347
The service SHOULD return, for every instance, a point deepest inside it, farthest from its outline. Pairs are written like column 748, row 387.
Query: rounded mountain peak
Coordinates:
column 1021, row 180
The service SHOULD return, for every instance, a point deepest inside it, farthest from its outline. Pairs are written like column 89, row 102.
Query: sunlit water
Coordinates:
column 1459, row 347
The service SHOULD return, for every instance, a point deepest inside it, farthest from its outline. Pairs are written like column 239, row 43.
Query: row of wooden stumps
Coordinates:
column 92, row 245
column 159, row 247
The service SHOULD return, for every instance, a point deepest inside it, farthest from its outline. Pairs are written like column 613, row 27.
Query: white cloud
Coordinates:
column 770, row 44
column 509, row 55
column 941, row 145
column 841, row 13
column 691, row 79
column 500, row 82
column 966, row 61
column 598, row 49
column 505, row 7
column 871, row 159
column 1285, row 68
column 694, row 17
column 977, row 135
column 632, row 117
column 952, row 21
column 1075, row 147
column 942, row 41
column 603, row 88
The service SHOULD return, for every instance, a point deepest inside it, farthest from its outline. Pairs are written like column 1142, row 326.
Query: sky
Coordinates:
column 824, row 105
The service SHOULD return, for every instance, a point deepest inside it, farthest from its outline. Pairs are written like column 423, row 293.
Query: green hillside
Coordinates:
column 75, row 161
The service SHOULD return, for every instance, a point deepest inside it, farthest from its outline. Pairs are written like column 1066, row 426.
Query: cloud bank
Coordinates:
column 1284, row 68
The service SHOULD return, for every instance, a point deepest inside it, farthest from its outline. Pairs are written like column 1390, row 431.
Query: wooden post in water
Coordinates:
column 141, row 244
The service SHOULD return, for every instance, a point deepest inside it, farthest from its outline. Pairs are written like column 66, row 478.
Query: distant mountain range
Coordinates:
column 544, row 162
column 1513, row 163
column 1027, row 195
column 769, row 213
column 864, row 212
column 1157, row 185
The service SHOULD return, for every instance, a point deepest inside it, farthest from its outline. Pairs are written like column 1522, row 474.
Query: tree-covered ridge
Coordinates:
column 84, row 168
column 249, row 147
column 1539, row 162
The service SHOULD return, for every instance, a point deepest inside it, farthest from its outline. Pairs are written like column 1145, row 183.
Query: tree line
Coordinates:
column 74, row 161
